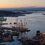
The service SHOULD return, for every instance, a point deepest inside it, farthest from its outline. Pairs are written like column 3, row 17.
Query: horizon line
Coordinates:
column 24, row 7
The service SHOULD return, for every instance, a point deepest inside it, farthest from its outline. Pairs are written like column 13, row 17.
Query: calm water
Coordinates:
column 35, row 21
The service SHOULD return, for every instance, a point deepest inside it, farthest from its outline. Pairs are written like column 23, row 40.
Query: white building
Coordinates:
column 11, row 21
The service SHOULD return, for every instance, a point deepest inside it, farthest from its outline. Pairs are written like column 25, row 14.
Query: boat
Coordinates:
column 43, row 14
column 21, row 27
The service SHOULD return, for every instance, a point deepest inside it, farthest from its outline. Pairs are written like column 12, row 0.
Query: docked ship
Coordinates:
column 21, row 27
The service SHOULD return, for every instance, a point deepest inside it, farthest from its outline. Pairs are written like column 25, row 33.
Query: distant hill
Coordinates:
column 26, row 9
column 9, row 13
column 17, row 11
column 33, row 9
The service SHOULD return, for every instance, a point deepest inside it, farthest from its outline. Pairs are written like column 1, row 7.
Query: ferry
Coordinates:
column 21, row 27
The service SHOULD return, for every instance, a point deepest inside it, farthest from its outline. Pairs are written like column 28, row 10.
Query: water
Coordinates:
column 35, row 21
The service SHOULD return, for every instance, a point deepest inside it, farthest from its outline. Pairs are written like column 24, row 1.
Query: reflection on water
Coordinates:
column 35, row 21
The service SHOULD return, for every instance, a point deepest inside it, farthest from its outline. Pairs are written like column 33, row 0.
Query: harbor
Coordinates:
column 7, row 33
column 21, row 31
column 22, row 22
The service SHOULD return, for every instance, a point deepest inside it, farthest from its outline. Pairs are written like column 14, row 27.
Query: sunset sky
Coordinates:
column 21, row 3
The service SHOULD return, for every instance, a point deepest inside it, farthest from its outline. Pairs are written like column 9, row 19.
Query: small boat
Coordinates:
column 43, row 14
